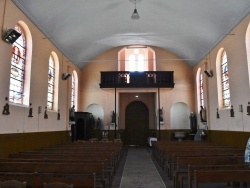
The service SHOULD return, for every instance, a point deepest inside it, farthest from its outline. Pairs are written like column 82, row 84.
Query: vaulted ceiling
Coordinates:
column 82, row 29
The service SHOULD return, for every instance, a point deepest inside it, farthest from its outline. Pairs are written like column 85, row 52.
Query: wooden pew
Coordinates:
column 107, row 159
column 216, row 176
column 192, row 168
column 36, row 180
column 102, row 177
column 109, row 153
column 183, row 162
column 170, row 161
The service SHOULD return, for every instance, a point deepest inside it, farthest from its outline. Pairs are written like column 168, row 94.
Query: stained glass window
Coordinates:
column 73, row 90
column 201, row 91
column 225, row 80
column 51, row 83
column 16, row 89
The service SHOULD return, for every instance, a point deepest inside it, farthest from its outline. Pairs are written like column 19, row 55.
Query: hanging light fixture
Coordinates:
column 135, row 15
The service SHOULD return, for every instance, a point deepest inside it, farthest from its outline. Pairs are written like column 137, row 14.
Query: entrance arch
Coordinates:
column 136, row 123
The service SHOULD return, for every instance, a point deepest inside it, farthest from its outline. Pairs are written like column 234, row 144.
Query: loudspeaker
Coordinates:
column 11, row 36
column 208, row 73
column 65, row 76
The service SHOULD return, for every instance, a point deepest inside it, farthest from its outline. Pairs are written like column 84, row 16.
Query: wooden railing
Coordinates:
column 146, row 79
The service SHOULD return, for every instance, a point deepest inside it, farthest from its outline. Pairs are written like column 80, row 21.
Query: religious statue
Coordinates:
column 217, row 114
column 45, row 113
column 203, row 114
column 113, row 117
column 248, row 109
column 58, row 115
column 6, row 108
column 30, row 111
column 232, row 111
column 193, row 122
column 161, row 114
column 72, row 113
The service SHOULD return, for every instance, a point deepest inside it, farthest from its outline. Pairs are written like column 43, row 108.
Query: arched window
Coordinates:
column 17, row 73
column 51, row 83
column 19, row 90
column 248, row 50
column 200, row 89
column 225, row 80
column 74, row 89
column 136, row 58
column 53, row 72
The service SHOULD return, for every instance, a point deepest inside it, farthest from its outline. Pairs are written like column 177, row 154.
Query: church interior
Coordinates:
column 131, row 78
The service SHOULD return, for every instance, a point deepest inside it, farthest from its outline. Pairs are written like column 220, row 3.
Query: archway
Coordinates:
column 98, row 114
column 136, row 124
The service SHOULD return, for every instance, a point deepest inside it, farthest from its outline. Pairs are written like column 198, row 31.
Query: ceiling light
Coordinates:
column 135, row 15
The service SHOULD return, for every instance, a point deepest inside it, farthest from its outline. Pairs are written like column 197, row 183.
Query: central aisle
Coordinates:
column 139, row 171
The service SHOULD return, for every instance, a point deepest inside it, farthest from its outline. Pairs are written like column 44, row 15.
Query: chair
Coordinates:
column 12, row 183
column 57, row 185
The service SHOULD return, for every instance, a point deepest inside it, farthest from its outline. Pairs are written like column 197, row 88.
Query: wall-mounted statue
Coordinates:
column 217, row 114
column 72, row 113
column 113, row 117
column 6, row 108
column 45, row 113
column 193, row 122
column 203, row 114
column 161, row 114
column 58, row 115
column 30, row 111
column 232, row 111
column 248, row 109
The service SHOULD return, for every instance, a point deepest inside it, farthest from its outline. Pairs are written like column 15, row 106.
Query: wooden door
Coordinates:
column 136, row 124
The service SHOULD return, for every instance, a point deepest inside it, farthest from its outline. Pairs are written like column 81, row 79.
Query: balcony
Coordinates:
column 147, row 79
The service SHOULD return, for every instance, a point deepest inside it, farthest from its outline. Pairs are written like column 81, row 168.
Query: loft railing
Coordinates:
column 146, row 79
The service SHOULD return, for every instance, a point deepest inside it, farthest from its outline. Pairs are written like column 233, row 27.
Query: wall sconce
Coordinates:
column 65, row 76
column 208, row 73
column 10, row 36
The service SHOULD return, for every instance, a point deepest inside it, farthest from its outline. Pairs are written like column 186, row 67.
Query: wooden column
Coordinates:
column 115, row 113
column 159, row 126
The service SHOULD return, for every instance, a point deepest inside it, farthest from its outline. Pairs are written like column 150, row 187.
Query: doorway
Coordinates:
column 136, row 124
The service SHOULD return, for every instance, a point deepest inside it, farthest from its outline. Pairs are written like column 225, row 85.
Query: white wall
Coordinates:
column 18, row 120
column 235, row 46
